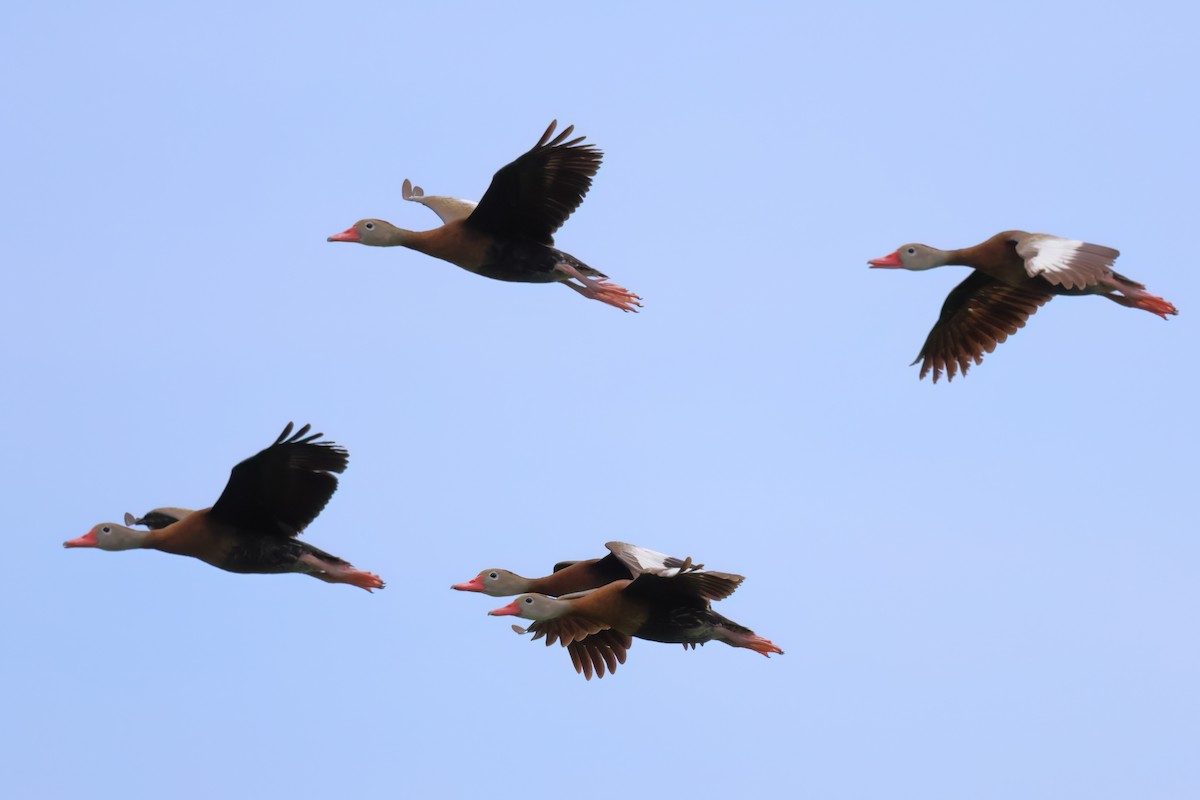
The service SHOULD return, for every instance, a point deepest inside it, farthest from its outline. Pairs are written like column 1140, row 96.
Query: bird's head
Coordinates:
column 494, row 582
column 911, row 256
column 110, row 536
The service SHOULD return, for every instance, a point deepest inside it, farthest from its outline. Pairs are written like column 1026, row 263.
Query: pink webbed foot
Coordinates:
column 600, row 289
column 1146, row 302
column 361, row 578
column 615, row 296
column 1155, row 305
column 342, row 573
column 751, row 641
column 765, row 646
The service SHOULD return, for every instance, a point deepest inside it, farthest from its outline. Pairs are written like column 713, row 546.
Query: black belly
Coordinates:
column 678, row 625
column 521, row 262
column 272, row 554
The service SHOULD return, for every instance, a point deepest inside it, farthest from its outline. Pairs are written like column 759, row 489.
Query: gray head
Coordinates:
column 533, row 606
column 374, row 232
column 495, row 582
column 911, row 256
column 110, row 536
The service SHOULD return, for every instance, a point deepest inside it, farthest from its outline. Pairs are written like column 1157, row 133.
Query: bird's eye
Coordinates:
column 369, row 226
column 912, row 251
column 528, row 601
column 106, row 529
column 493, row 575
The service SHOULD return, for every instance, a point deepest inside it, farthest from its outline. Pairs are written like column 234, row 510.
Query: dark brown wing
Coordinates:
column 687, row 588
column 279, row 491
column 979, row 314
column 598, row 651
column 569, row 629
column 590, row 652
column 533, row 196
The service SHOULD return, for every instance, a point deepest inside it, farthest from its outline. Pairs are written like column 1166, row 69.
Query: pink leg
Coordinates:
column 602, row 289
column 342, row 573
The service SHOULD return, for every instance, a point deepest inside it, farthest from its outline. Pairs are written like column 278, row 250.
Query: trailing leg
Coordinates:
column 599, row 289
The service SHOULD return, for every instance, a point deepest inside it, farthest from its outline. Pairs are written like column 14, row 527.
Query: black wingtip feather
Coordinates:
column 283, row 488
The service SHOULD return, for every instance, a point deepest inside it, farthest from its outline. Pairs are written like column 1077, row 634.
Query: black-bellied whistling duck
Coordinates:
column 1015, row 274
column 270, row 498
column 509, row 234
column 157, row 518
column 595, row 625
column 624, row 562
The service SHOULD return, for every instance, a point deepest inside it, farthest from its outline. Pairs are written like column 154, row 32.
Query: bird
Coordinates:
column 508, row 235
column 596, row 626
column 1015, row 274
column 270, row 498
column 624, row 561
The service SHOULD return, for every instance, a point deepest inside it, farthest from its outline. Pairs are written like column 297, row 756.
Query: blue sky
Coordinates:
column 985, row 589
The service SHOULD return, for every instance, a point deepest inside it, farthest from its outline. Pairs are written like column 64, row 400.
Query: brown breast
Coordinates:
column 196, row 535
column 611, row 605
column 454, row 242
column 997, row 257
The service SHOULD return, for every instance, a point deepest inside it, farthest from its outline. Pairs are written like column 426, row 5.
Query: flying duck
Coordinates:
column 1015, row 274
column 623, row 562
column 596, row 626
column 252, row 528
column 508, row 236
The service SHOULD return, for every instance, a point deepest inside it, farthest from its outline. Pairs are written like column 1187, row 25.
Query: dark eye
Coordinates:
column 528, row 601
column 493, row 575
column 369, row 226
column 106, row 529
column 912, row 251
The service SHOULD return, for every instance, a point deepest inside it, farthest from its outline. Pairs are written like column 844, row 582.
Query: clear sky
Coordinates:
column 986, row 589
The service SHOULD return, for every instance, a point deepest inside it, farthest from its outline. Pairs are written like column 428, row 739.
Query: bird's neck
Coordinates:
column 942, row 258
column 558, row 608
column 399, row 237
column 567, row 579
column 963, row 257
column 194, row 535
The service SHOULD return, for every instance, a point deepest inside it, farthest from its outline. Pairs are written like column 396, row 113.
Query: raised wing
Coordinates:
column 1066, row 262
column 533, row 196
column 279, row 491
column 979, row 314
column 639, row 560
column 448, row 209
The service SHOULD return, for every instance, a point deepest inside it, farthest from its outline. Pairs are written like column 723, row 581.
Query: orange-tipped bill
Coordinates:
column 473, row 585
column 348, row 235
column 891, row 261
column 509, row 610
column 87, row 540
